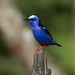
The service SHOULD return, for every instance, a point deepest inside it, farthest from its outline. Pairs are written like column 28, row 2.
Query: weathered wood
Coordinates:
column 39, row 66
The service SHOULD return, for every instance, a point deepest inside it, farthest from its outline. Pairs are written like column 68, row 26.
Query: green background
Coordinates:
column 56, row 15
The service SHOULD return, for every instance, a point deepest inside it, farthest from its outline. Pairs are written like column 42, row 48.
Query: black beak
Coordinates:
column 26, row 19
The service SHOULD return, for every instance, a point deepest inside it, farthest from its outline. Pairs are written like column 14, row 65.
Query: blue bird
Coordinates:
column 40, row 32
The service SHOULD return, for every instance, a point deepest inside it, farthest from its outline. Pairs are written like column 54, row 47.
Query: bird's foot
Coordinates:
column 40, row 48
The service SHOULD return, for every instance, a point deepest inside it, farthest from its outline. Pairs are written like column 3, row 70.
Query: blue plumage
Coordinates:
column 40, row 32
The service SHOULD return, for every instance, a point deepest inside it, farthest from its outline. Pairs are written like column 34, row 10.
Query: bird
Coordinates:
column 41, row 33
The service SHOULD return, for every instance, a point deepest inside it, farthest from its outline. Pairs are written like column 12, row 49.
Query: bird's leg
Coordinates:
column 40, row 48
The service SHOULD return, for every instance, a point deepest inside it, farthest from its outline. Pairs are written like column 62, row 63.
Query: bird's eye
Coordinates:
column 32, row 19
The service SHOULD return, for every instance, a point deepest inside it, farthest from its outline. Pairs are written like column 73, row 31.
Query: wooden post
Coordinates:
column 39, row 66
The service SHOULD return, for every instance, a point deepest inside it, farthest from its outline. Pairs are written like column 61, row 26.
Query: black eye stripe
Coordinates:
column 32, row 19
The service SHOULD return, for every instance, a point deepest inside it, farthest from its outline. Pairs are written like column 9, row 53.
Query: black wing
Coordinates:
column 45, row 29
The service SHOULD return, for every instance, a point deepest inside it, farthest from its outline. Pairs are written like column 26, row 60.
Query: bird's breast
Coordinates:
column 42, row 37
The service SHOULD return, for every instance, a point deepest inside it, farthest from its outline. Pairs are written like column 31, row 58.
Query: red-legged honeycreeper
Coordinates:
column 40, row 32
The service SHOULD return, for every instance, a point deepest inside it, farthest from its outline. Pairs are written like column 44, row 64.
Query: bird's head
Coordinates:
column 33, row 20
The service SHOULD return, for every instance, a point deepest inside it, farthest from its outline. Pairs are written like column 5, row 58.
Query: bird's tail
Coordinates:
column 55, row 43
column 59, row 45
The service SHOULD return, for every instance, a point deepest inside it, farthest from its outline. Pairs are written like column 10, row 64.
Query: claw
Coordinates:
column 40, row 48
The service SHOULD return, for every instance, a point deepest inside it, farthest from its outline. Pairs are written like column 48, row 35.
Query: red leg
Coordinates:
column 40, row 48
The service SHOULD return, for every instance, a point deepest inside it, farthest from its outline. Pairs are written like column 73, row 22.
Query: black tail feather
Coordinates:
column 59, row 45
column 55, row 43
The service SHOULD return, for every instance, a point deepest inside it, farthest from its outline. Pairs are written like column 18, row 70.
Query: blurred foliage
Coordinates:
column 8, row 64
column 56, row 15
